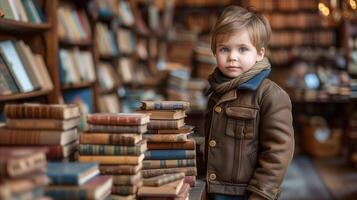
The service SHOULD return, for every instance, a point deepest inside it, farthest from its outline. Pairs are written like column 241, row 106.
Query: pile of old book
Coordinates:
column 115, row 141
column 169, row 148
column 74, row 180
column 22, row 173
column 52, row 126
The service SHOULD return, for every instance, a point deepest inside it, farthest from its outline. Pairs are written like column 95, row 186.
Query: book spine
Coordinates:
column 114, row 120
column 188, row 145
column 124, row 190
column 67, row 193
column 64, row 179
column 165, row 138
column 191, row 180
column 169, row 154
column 189, row 171
column 28, row 124
column 164, row 106
column 20, row 137
column 156, row 164
column 106, row 139
column 116, row 129
column 87, row 149
column 110, row 170
column 54, row 151
column 163, row 179
column 129, row 160
column 23, row 111
column 126, row 179
column 164, row 124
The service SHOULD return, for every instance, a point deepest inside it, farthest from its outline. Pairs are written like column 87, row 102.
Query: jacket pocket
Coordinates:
column 241, row 122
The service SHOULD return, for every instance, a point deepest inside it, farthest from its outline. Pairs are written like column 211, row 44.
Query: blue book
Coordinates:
column 169, row 154
column 71, row 173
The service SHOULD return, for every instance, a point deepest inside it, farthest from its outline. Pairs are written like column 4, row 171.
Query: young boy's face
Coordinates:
column 236, row 54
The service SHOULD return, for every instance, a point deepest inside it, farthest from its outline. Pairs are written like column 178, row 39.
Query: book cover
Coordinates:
column 190, row 144
column 42, row 124
column 125, row 189
column 120, row 169
column 157, row 164
column 61, row 151
column 6, row 73
column 125, row 139
column 166, row 137
column 122, row 197
column 182, row 195
column 112, row 160
column 16, row 162
column 166, row 124
column 134, row 179
column 97, row 188
column 183, row 129
column 168, row 190
column 164, row 114
column 165, row 105
column 71, row 173
column 189, row 171
column 162, row 179
column 169, row 154
column 118, row 118
column 90, row 149
column 42, row 111
column 191, row 180
column 117, row 129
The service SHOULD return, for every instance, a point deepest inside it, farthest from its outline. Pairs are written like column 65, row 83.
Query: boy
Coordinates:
column 249, row 133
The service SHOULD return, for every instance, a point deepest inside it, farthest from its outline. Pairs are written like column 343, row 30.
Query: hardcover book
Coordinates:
column 46, row 111
column 118, row 118
column 120, row 169
column 166, row 137
column 190, row 144
column 168, row 190
column 127, row 179
column 114, row 139
column 189, row 171
column 113, row 160
column 166, row 124
column 183, row 129
column 97, row 188
column 159, row 164
column 162, row 179
column 117, row 129
column 16, row 162
column 122, row 197
column 101, row 149
column 169, row 154
column 43, row 124
column 165, row 105
column 71, row 173
column 164, row 114
column 125, row 189
column 182, row 195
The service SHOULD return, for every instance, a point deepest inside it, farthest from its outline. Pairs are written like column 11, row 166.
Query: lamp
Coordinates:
column 338, row 9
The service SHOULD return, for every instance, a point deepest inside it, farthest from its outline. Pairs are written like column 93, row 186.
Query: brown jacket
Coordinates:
column 249, row 140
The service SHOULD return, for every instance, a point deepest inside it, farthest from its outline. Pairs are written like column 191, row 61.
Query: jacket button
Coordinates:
column 218, row 109
column 212, row 177
column 212, row 143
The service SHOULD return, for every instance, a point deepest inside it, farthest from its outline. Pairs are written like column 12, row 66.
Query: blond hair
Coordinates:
column 235, row 19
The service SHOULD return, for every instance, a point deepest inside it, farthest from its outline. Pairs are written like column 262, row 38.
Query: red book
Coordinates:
column 189, row 145
column 118, row 118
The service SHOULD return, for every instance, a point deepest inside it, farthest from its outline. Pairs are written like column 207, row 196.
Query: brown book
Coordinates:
column 165, row 105
column 164, row 114
column 120, row 169
column 36, row 137
column 168, row 190
column 162, row 179
column 160, row 164
column 118, row 118
column 18, row 162
column 183, row 129
column 44, row 72
column 127, row 139
column 190, row 144
column 42, row 124
column 132, row 179
column 122, row 197
column 117, row 129
column 61, row 151
column 191, row 180
column 166, row 124
column 113, row 160
column 166, row 138
column 125, row 189
column 182, row 195
column 189, row 171
column 46, row 111
column 104, row 149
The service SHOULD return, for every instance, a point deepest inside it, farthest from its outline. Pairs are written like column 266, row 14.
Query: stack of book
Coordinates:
column 116, row 142
column 22, row 174
column 169, row 149
column 166, row 186
column 52, row 126
column 77, row 181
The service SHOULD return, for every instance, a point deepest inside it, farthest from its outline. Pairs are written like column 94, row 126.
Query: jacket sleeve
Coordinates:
column 276, row 144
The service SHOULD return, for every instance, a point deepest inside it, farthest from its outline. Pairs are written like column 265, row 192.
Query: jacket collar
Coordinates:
column 254, row 82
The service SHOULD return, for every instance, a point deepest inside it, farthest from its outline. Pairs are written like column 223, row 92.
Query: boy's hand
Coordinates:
column 255, row 197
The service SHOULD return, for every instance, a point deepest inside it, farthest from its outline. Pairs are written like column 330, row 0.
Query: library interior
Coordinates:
column 110, row 99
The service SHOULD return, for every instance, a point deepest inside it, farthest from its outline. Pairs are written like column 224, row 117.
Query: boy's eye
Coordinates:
column 242, row 49
column 224, row 49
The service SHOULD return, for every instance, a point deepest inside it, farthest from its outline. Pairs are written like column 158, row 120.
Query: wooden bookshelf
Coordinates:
column 12, row 26
column 24, row 96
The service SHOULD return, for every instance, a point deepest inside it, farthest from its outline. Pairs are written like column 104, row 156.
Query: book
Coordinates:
column 157, row 164
column 169, row 154
column 96, row 188
column 166, row 124
column 36, row 137
column 16, row 162
column 125, row 139
column 133, row 179
column 165, row 105
column 71, row 173
column 42, row 111
column 122, row 197
column 162, row 179
column 166, row 137
column 183, row 129
column 120, row 169
column 190, row 144
column 43, row 124
column 189, row 171
column 6, row 73
column 125, row 189
column 191, row 180
column 118, row 118
column 117, row 129
column 91, row 149
column 168, row 190
column 182, row 195
column 112, row 160
column 164, row 114
column 61, row 151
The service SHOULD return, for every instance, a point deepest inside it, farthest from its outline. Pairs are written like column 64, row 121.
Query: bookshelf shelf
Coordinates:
column 80, row 43
column 108, row 57
column 12, row 26
column 111, row 91
column 24, row 95
column 77, row 86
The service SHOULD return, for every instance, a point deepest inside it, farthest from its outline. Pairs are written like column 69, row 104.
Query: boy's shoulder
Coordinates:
column 269, row 87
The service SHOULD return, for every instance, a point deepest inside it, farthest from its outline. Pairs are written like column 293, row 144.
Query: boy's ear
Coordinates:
column 261, row 54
